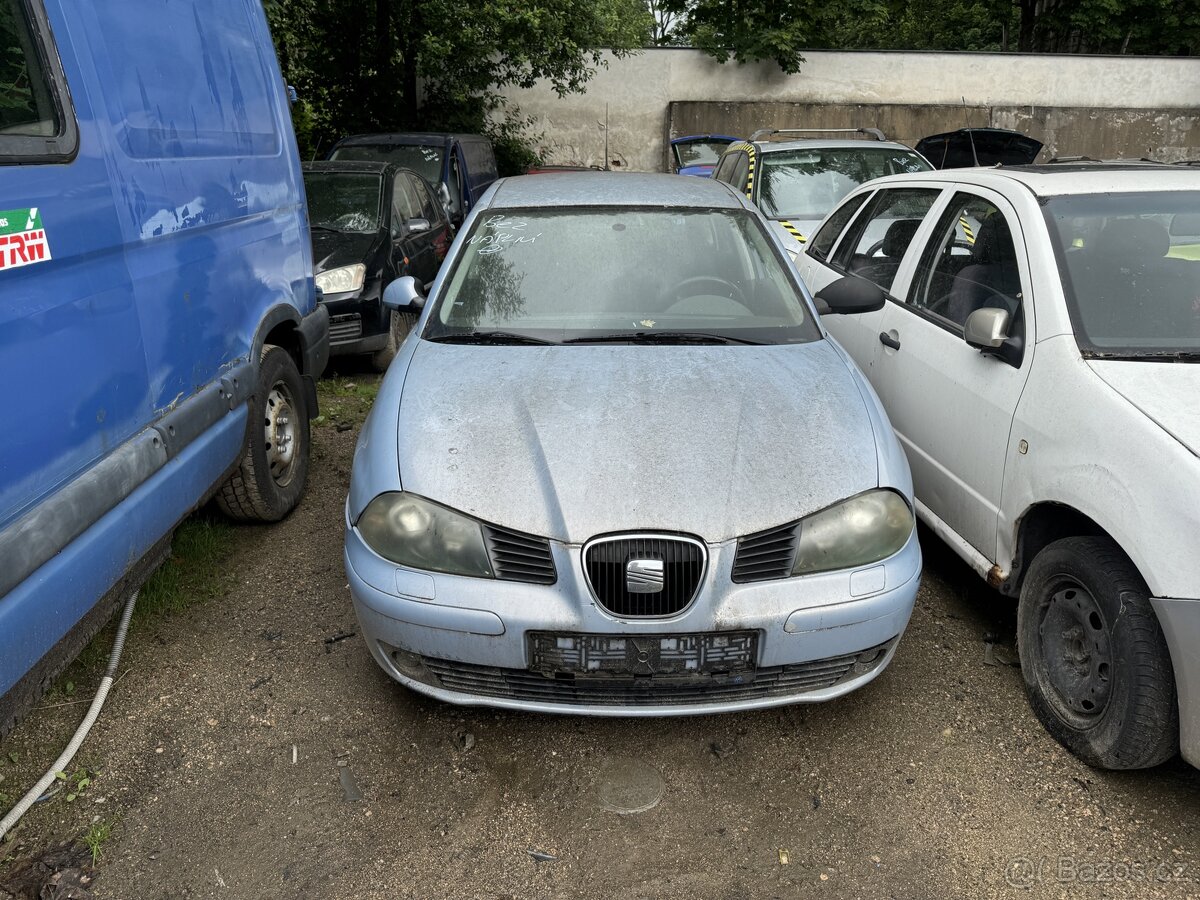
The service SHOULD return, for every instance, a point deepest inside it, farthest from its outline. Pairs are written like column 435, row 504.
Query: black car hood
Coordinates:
column 953, row 149
column 332, row 249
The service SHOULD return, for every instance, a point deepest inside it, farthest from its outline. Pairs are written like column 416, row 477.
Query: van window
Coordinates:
column 32, row 115
column 479, row 158
column 163, row 111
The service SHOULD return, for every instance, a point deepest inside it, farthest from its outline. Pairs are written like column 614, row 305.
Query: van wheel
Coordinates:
column 269, row 482
column 401, row 324
column 1096, row 665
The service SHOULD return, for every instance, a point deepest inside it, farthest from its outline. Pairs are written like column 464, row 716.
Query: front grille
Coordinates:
column 345, row 328
column 605, row 562
column 766, row 555
column 655, row 690
column 519, row 557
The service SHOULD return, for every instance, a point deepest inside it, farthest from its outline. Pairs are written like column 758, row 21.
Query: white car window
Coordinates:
column 881, row 236
column 970, row 263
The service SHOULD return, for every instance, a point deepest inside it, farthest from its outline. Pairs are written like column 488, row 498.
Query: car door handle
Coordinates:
column 888, row 341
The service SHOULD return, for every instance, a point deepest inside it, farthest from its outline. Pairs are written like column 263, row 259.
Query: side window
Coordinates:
column 724, row 170
column 423, row 201
column 402, row 205
column 969, row 264
column 879, row 238
column 824, row 239
column 740, row 170
column 36, row 122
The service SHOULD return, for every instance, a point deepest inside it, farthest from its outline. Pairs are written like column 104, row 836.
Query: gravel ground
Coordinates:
column 245, row 753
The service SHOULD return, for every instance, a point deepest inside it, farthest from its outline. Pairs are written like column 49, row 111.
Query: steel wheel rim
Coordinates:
column 1077, row 653
column 280, row 434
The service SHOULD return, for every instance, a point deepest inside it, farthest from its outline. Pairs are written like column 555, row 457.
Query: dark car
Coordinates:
column 372, row 222
column 979, row 147
column 459, row 166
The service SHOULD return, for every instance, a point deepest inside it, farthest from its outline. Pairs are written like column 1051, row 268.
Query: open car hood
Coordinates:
column 953, row 149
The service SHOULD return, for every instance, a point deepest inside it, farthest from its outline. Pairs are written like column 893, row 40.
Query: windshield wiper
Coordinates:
column 324, row 228
column 660, row 337
column 487, row 337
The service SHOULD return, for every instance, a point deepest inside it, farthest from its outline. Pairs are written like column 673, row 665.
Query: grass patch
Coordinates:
column 346, row 400
column 95, row 837
column 195, row 570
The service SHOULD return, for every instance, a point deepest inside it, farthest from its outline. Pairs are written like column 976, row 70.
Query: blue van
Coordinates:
column 459, row 166
column 159, row 329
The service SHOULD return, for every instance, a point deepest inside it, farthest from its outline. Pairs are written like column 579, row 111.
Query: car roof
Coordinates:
column 407, row 137
column 1069, row 178
column 615, row 189
column 365, row 166
column 834, row 144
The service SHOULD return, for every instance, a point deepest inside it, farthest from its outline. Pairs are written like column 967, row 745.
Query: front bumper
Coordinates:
column 1180, row 621
column 358, row 321
column 464, row 640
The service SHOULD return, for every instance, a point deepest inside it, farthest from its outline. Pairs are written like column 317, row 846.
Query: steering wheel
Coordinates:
column 705, row 284
column 874, row 248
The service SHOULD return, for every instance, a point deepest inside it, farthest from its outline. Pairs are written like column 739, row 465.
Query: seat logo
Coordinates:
column 644, row 576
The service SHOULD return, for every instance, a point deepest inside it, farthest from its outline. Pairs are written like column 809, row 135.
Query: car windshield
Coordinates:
column 699, row 153
column 343, row 201
column 621, row 274
column 1130, row 266
column 424, row 159
column 808, row 183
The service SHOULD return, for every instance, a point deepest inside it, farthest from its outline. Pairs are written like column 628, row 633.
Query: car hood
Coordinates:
column 569, row 442
column 1165, row 392
column 332, row 250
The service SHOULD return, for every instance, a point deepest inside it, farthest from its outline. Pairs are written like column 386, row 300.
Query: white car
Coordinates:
column 1038, row 356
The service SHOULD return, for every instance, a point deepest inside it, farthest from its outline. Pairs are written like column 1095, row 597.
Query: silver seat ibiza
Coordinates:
column 618, row 467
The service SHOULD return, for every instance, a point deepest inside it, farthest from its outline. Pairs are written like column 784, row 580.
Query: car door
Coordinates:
column 872, row 246
column 428, row 247
column 406, row 246
column 951, row 405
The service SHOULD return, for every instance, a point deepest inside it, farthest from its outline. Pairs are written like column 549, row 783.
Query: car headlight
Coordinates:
column 339, row 281
column 855, row 532
column 419, row 533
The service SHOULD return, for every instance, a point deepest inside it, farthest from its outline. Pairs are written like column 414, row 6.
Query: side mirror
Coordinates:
column 417, row 225
column 986, row 330
column 850, row 294
column 404, row 295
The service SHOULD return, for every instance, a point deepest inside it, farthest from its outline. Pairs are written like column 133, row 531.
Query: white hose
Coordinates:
column 60, row 764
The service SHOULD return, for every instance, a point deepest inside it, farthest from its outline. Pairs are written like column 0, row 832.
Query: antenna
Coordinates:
column 967, row 119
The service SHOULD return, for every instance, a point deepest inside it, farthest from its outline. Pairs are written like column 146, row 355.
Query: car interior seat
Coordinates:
column 882, row 269
column 992, row 278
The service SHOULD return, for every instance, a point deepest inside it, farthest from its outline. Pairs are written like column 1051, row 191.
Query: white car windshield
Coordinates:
column 1130, row 266
column 808, row 183
column 621, row 274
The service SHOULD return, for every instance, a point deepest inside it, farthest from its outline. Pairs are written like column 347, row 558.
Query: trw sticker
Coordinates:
column 22, row 238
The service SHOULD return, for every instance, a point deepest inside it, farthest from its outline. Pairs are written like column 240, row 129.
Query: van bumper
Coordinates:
column 314, row 342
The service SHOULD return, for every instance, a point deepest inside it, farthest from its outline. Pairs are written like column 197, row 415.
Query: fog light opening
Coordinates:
column 409, row 664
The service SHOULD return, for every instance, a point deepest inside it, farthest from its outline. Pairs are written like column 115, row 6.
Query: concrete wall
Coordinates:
column 1100, row 106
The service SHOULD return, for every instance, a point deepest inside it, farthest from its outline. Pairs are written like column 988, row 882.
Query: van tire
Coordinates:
column 269, row 481
column 1106, row 693
column 399, row 325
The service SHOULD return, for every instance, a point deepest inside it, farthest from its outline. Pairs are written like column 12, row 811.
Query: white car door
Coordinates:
column 873, row 246
column 951, row 405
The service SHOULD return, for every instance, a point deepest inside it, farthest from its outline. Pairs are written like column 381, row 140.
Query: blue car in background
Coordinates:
column 158, row 310
column 697, row 154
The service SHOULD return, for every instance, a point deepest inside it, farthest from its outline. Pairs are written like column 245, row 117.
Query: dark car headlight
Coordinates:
column 421, row 534
column 862, row 530
column 343, row 279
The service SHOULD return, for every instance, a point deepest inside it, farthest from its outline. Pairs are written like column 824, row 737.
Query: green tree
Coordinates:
column 433, row 64
column 745, row 30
